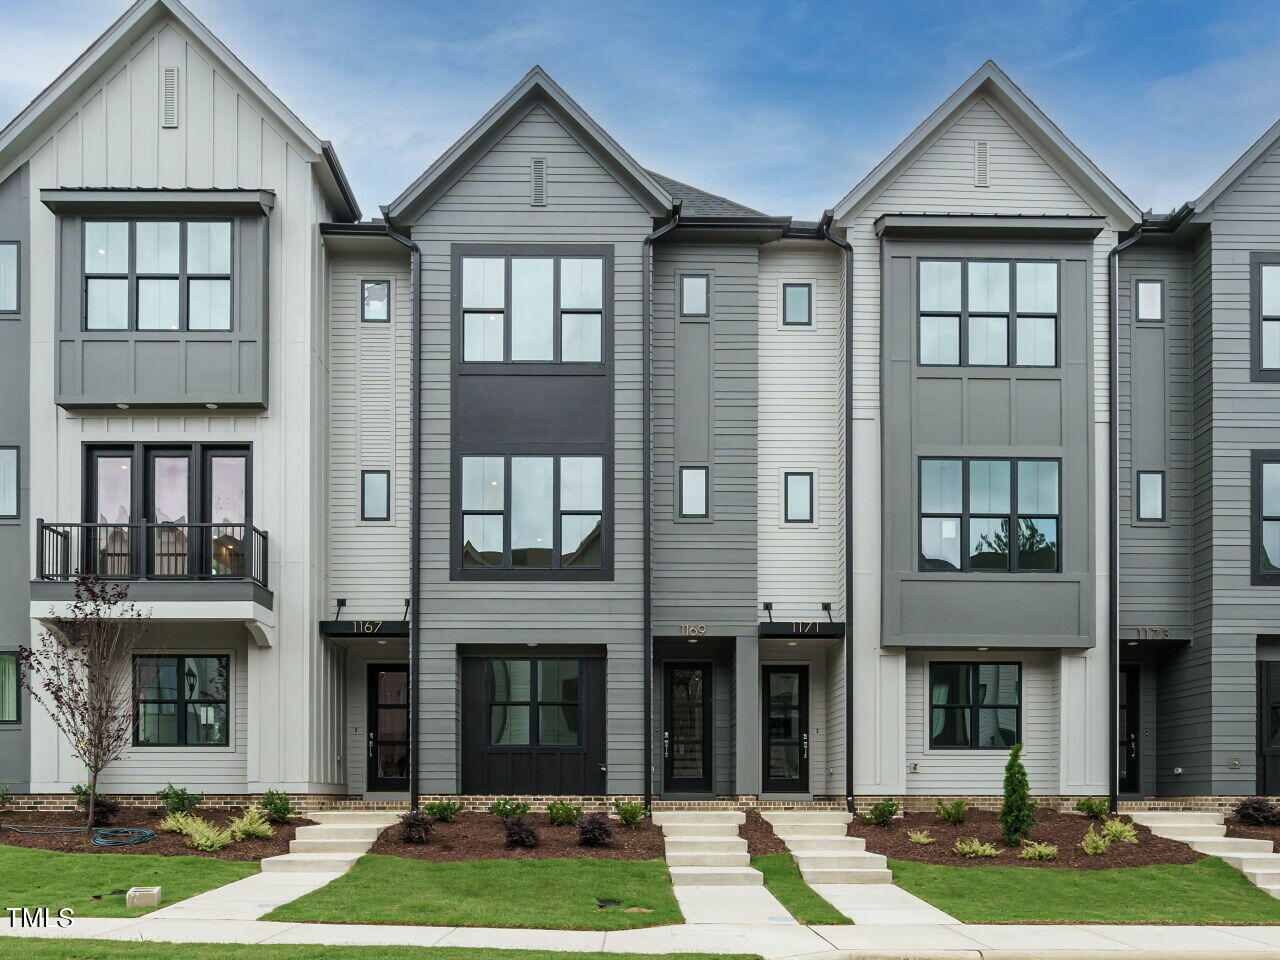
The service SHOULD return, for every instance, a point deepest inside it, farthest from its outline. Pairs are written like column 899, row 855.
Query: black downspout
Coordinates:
column 646, row 314
column 415, row 496
column 847, row 320
column 1113, row 531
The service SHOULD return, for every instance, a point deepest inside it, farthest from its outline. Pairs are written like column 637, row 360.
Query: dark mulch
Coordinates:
column 1237, row 829
column 479, row 836
column 761, row 840
column 164, row 845
column 1065, row 830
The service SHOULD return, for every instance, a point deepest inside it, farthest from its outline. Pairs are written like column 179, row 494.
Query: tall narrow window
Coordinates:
column 798, row 497
column 484, row 304
column 181, row 701
column 1150, row 494
column 1150, row 300
column 797, row 304
column 693, row 492
column 375, row 494
column 1266, row 517
column 1266, row 314
column 10, row 689
column 695, row 296
column 940, row 303
column 8, row 482
column 9, row 277
column 375, row 301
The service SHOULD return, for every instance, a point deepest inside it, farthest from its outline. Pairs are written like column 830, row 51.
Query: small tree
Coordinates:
column 1018, row 812
column 79, row 671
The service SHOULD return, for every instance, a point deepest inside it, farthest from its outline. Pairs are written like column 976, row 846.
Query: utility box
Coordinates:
column 142, row 897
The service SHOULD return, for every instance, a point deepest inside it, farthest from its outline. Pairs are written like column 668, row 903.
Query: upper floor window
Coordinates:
column 181, row 701
column 988, row 313
column 1266, row 517
column 975, row 706
column 10, row 687
column 375, row 494
column 695, row 295
column 9, row 277
column 1151, row 495
column 797, row 497
column 693, row 492
column 989, row 515
column 157, row 274
column 797, row 304
column 532, row 512
column 1266, row 315
column 8, row 483
column 1150, row 300
column 375, row 301
column 533, row 309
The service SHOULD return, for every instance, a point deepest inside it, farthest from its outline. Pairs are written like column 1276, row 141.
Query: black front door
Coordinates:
column 1129, row 774
column 388, row 751
column 687, row 745
column 1268, row 728
column 786, row 729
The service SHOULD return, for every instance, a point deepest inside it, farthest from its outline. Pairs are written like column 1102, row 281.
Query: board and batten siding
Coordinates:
column 489, row 203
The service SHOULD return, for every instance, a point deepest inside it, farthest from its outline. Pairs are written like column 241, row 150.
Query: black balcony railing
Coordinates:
column 151, row 551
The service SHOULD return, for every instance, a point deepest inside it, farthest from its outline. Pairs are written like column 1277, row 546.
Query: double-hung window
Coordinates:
column 534, row 703
column 532, row 513
column 533, row 309
column 989, row 515
column 988, row 313
column 1265, row 315
column 159, row 275
column 1266, row 517
column 974, row 706
column 182, row 701
column 9, row 286
column 10, row 687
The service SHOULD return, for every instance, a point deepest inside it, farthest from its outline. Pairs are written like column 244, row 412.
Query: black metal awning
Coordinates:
column 364, row 628
column 771, row 629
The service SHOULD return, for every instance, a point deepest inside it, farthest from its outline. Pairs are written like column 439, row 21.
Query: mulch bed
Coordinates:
column 479, row 836
column 1065, row 830
column 164, row 845
column 1235, row 828
column 761, row 840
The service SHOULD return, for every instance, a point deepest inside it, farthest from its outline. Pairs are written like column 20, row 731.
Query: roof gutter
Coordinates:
column 339, row 175
column 824, row 228
column 646, row 310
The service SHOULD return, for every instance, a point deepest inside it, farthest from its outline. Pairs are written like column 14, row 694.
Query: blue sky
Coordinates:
column 783, row 107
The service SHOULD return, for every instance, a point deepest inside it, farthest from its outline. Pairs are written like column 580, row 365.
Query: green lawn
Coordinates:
column 547, row 894
column 782, row 877
column 1205, row 892
column 44, row 878
column 34, row 949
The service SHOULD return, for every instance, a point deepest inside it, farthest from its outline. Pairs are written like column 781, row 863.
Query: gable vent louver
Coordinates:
column 169, row 98
column 538, row 182
column 980, row 163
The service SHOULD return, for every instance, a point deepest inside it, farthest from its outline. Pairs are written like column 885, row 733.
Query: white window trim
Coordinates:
column 816, row 522
column 780, row 294
column 135, row 752
column 994, row 655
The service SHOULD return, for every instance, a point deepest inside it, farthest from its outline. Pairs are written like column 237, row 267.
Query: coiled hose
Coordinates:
column 102, row 836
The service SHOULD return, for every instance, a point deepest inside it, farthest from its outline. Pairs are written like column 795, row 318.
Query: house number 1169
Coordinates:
column 693, row 629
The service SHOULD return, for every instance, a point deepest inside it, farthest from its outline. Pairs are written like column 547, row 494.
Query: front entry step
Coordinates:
column 715, row 876
column 1205, row 833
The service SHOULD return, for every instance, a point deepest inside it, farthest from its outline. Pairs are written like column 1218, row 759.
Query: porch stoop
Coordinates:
column 334, row 844
column 1206, row 833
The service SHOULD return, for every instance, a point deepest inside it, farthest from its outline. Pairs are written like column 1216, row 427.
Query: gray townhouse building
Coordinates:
column 562, row 477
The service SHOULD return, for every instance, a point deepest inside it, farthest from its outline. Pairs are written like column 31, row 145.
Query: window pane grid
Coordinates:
column 1266, row 509
column 974, row 706
column 535, row 719
column 1268, row 312
column 190, row 708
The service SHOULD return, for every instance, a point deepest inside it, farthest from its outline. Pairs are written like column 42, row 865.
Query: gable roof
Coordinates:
column 535, row 85
column 989, row 80
column 699, row 203
column 1260, row 148
column 68, row 87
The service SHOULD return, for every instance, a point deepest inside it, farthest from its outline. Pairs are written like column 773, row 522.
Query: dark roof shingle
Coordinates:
column 699, row 203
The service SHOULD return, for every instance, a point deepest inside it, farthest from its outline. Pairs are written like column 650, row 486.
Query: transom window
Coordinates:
column 988, row 313
column 534, row 703
column 989, row 515
column 182, row 701
column 157, row 274
column 975, row 706
column 9, row 277
column 532, row 309
column 532, row 513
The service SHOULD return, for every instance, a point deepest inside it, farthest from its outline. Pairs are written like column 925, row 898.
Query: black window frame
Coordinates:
column 1258, row 320
column 183, row 276
column 808, row 315
column 17, row 680
column 680, row 279
column 965, row 515
column 366, row 282
column 17, row 281
column 1137, row 496
column 365, row 517
column 535, row 703
column 17, row 485
column 681, row 513
column 1257, row 518
column 557, row 570
column 181, row 702
column 1138, row 284
column 1011, row 316
column 974, row 705
column 786, row 497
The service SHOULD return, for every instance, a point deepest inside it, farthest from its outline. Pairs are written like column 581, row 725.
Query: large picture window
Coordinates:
column 989, row 515
column 988, row 313
column 534, row 703
column 183, row 701
column 157, row 275
column 10, row 687
column 974, row 706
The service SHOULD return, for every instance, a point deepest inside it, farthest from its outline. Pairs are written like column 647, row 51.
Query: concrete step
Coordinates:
column 310, row 863
column 331, row 831
column 328, row 846
column 1228, row 845
column 843, row 875
column 708, row 859
column 700, row 829
column 1174, row 817
column 705, row 845
column 839, row 861
column 354, row 817
column 684, row 817
column 1193, row 831
column 786, row 818
column 842, row 844
column 1271, row 888
column 812, row 829
column 1263, row 873
column 1250, row 860
column 714, row 876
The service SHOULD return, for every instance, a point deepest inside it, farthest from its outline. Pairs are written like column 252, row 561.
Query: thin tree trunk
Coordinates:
column 93, row 802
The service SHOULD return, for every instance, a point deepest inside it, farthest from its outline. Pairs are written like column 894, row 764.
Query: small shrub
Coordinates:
column 953, row 812
column 509, row 809
column 277, row 806
column 519, row 833
column 629, row 813
column 882, row 812
column 1095, row 843
column 6, row 798
column 203, row 835
column 175, row 823
column 1035, row 850
column 415, row 827
column 1018, row 811
column 594, row 831
column 443, row 811
column 251, row 825
column 104, row 809
column 178, row 799
column 563, row 814
column 1258, row 812
column 1095, row 808
column 973, row 847
column 1119, row 831
column 921, row 837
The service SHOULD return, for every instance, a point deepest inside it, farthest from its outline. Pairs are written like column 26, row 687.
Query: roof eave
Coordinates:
column 1238, row 169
